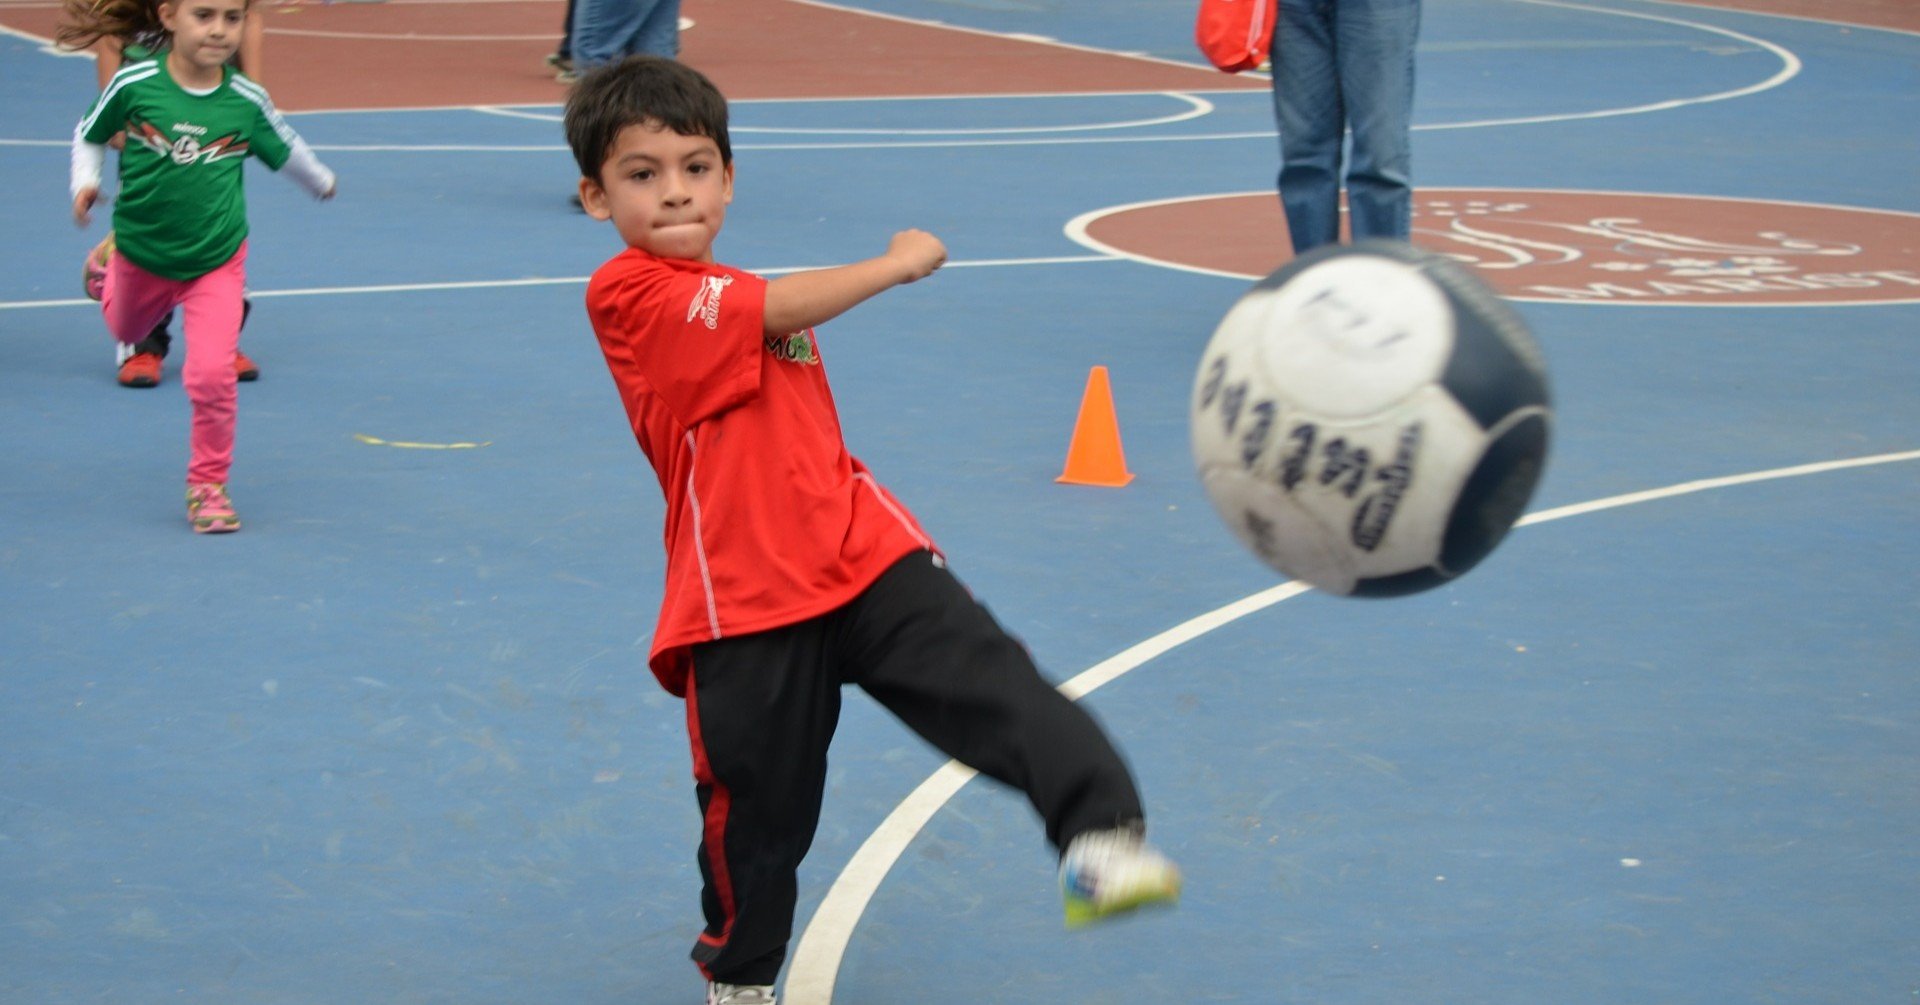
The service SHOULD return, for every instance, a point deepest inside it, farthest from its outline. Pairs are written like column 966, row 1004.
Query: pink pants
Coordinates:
column 135, row 300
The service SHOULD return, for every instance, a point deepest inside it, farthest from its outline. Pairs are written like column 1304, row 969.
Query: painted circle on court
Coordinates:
column 1566, row 246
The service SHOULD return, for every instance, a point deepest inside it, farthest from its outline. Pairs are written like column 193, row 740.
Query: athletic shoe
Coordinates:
column 568, row 76
column 142, row 369
column 209, row 509
column 1111, row 872
column 559, row 62
column 244, row 368
column 740, row 994
column 93, row 273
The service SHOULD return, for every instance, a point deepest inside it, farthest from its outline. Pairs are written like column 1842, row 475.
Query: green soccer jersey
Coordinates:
column 182, row 210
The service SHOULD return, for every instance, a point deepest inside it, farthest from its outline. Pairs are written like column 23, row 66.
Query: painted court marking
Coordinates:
column 374, row 441
column 377, row 36
column 815, row 965
column 1196, row 108
column 1889, row 273
column 490, row 284
column 1790, row 68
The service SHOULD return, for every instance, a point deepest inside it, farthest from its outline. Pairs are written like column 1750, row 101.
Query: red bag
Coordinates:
column 1235, row 34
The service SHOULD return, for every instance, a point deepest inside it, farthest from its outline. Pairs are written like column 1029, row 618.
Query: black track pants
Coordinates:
column 761, row 710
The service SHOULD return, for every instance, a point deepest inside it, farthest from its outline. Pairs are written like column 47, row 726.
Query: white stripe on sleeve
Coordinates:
column 258, row 95
column 128, row 75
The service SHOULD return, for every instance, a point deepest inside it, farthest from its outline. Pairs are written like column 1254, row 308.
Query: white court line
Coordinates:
column 493, row 284
column 1791, row 67
column 1788, row 71
column 1014, row 36
column 815, row 965
column 46, row 45
column 510, row 112
column 1196, row 107
column 406, row 36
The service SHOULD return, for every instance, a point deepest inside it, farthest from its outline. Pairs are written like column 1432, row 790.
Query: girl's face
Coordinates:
column 205, row 32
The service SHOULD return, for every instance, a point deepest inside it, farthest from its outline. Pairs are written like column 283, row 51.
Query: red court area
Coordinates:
column 403, row 54
column 1900, row 15
column 432, row 53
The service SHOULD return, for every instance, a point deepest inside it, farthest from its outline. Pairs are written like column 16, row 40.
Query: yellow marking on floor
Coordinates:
column 378, row 442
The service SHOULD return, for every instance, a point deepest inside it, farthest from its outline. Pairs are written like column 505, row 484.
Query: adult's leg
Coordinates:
column 1312, row 119
column 1375, row 41
column 659, row 31
column 603, row 30
column 761, row 710
column 927, row 650
column 565, row 51
column 211, row 310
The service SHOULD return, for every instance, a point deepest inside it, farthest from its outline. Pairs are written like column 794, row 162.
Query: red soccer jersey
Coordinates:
column 769, row 520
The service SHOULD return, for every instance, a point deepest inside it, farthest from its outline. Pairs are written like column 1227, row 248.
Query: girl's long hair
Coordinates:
column 84, row 22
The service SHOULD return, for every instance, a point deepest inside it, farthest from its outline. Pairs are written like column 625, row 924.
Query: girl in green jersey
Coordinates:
column 120, row 32
column 180, row 221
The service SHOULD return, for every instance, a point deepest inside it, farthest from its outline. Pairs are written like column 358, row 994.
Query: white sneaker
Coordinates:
column 740, row 994
column 1111, row 872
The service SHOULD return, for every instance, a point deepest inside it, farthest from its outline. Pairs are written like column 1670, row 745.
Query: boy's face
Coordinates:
column 666, row 193
column 205, row 32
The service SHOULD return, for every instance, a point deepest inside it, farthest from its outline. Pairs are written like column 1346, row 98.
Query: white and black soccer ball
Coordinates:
column 1371, row 419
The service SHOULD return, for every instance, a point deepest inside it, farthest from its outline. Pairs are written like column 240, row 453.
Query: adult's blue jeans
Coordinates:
column 607, row 31
column 1340, row 66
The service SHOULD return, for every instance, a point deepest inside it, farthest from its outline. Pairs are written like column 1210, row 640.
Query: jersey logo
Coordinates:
column 795, row 348
column 187, row 148
column 706, row 302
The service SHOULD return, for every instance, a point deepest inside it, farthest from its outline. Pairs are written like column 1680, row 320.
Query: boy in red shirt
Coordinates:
column 790, row 570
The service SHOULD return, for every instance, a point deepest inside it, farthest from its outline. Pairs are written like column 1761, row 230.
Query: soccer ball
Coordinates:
column 1371, row 419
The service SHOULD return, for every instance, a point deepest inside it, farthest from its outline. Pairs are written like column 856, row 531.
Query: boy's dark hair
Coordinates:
column 637, row 91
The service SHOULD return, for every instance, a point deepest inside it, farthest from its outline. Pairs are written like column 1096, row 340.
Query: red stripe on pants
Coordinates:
column 713, row 834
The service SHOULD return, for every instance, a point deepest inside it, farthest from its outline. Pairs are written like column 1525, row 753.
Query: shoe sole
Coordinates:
column 244, row 377
column 1081, row 913
column 215, row 525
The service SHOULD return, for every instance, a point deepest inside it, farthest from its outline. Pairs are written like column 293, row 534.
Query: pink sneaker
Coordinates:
column 93, row 274
column 209, row 509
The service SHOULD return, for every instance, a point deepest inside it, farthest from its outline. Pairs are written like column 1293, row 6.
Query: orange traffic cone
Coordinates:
column 1094, row 457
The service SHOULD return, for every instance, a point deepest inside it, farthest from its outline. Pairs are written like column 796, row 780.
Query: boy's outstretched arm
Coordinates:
column 806, row 299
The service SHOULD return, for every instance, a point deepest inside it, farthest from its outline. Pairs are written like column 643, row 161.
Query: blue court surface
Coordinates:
column 396, row 743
